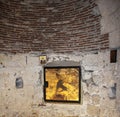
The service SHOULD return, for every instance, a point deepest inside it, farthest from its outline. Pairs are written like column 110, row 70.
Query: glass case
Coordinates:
column 62, row 84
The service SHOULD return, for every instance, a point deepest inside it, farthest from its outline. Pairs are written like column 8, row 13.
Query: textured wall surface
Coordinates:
column 110, row 22
column 71, row 30
column 98, row 79
column 61, row 26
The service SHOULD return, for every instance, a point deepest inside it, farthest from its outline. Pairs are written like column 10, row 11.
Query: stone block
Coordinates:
column 92, row 62
column 87, row 75
column 93, row 110
column 107, row 103
column 87, row 98
column 96, row 99
column 104, row 112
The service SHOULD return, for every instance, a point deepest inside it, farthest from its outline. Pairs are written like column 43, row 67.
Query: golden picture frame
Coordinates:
column 62, row 84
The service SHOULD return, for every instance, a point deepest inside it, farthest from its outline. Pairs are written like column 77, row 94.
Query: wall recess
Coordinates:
column 113, row 56
column 19, row 82
column 62, row 84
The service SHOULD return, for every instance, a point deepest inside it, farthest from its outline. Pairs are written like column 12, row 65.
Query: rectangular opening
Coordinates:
column 62, row 84
column 113, row 56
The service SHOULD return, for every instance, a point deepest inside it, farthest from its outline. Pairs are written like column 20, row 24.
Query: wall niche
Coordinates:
column 62, row 82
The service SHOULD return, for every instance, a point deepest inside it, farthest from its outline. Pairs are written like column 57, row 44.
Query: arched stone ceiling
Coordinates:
column 59, row 25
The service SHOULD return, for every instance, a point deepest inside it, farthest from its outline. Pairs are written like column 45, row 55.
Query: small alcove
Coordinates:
column 62, row 82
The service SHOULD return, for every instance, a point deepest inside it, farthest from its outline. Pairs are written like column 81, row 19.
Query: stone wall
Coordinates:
column 110, row 21
column 71, row 30
column 98, row 80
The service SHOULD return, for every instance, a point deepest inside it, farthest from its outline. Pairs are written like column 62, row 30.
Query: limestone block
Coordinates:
column 84, row 86
column 92, row 62
column 87, row 75
column 93, row 110
column 96, row 99
column 16, row 61
column 83, row 110
column 98, row 77
column 4, row 59
column 104, row 112
column 32, row 61
column 108, row 78
column 93, row 89
column 108, row 103
column 87, row 98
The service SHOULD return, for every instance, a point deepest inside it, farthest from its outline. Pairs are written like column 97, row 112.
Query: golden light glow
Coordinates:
column 43, row 57
column 63, row 84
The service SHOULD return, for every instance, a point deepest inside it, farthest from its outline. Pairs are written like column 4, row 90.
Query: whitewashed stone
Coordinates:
column 87, row 75
column 28, row 100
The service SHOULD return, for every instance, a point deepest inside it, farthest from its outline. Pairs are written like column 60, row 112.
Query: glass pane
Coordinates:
column 63, row 84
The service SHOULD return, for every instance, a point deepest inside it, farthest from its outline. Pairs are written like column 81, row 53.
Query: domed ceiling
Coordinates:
column 63, row 26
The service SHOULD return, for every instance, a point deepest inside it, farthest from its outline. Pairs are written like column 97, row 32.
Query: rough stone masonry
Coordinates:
column 83, row 31
column 28, row 101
